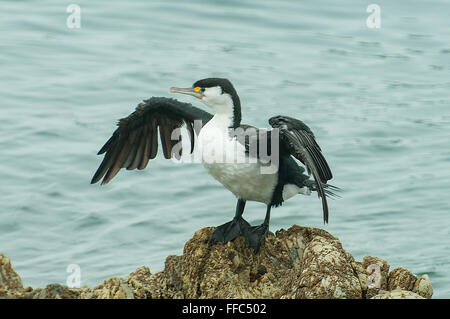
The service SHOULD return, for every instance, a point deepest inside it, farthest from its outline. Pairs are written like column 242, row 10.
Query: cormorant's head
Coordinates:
column 216, row 93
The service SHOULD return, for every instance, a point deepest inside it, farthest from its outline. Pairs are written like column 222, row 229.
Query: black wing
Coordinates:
column 298, row 140
column 135, row 141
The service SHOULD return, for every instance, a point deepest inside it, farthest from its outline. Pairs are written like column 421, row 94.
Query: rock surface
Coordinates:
column 10, row 281
column 300, row 262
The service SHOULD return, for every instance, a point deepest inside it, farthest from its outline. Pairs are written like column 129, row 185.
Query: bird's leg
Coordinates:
column 254, row 235
column 229, row 231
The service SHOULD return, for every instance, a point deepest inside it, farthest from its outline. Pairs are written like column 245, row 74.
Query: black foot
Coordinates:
column 255, row 235
column 229, row 231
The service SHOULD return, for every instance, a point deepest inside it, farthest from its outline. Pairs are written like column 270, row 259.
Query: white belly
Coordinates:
column 225, row 159
column 244, row 180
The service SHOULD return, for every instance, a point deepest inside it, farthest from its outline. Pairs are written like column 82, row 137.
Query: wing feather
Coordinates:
column 298, row 140
column 139, row 150
column 119, row 158
column 191, row 133
column 153, row 139
column 146, row 150
column 135, row 141
column 164, row 133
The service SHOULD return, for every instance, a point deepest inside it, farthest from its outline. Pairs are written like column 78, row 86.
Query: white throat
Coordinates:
column 221, row 121
column 221, row 104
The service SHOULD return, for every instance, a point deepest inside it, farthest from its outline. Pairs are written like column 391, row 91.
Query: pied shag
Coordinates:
column 135, row 142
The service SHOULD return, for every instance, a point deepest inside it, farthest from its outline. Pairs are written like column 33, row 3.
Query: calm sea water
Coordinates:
column 377, row 99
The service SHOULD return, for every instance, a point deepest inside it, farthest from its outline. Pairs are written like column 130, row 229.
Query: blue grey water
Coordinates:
column 377, row 99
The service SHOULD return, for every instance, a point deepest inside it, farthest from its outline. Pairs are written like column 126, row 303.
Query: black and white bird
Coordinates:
column 135, row 142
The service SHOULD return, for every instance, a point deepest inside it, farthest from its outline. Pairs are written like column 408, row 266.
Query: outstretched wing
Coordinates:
column 298, row 140
column 135, row 141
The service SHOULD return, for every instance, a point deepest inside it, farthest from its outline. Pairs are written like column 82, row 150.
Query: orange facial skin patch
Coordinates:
column 197, row 89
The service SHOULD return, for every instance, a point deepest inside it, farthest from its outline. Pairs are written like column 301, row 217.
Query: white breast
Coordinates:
column 225, row 159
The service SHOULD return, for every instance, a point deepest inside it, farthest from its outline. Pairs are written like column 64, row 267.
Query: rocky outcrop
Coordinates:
column 10, row 281
column 300, row 262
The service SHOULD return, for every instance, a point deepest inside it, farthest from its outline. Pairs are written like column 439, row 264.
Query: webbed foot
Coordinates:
column 255, row 235
column 229, row 231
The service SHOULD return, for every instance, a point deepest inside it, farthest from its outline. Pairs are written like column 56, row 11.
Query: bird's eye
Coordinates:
column 199, row 89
